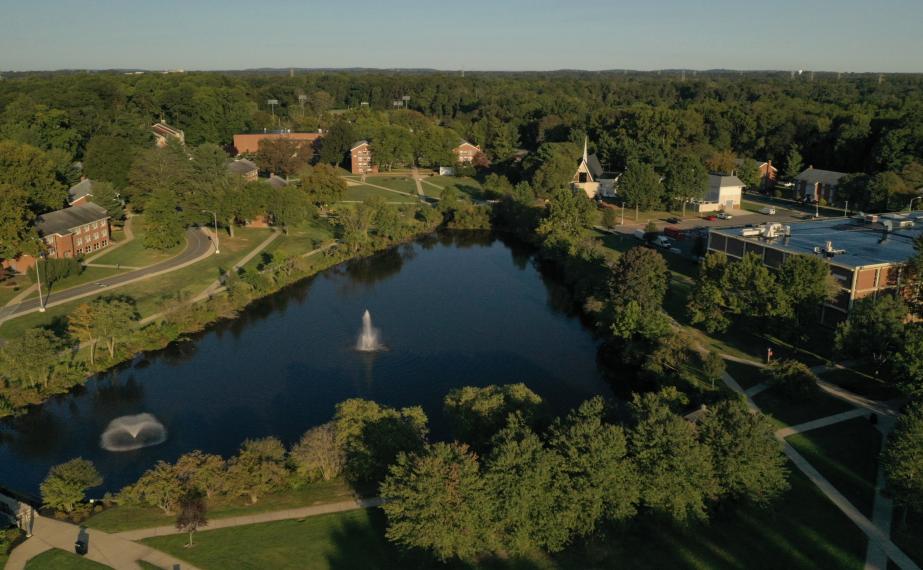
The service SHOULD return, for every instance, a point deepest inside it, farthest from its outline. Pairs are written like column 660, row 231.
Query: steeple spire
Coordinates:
column 586, row 141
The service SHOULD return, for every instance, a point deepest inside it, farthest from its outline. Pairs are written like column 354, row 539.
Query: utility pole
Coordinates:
column 301, row 100
column 217, row 239
column 272, row 105
column 38, row 280
column 846, row 209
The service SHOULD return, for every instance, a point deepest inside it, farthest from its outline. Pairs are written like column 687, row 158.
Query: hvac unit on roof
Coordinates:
column 828, row 250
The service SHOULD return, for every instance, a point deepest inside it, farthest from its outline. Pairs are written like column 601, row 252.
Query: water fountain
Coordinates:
column 368, row 337
column 127, row 433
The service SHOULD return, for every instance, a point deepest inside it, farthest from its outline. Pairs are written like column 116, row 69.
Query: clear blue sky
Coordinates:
column 836, row 35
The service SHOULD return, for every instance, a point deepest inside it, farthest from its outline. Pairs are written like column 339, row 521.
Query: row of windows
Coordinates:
column 88, row 239
column 89, row 227
column 92, row 247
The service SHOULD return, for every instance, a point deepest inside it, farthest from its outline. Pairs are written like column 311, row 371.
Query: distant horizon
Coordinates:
column 507, row 36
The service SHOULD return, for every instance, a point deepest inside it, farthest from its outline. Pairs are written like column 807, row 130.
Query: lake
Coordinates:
column 454, row 310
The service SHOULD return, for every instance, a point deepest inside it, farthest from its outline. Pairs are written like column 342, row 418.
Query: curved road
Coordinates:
column 199, row 245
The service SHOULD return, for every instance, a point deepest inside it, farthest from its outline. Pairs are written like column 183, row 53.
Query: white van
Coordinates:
column 768, row 211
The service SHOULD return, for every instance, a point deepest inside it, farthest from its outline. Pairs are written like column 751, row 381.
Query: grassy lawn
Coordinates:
column 298, row 241
column 134, row 253
column 747, row 376
column 847, row 455
column 908, row 537
column 151, row 294
column 793, row 412
column 88, row 275
column 13, row 287
column 399, row 183
column 362, row 193
column 861, row 384
column 121, row 518
column 435, row 185
column 57, row 559
column 803, row 530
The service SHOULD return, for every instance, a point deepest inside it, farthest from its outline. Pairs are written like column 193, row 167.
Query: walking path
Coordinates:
column 111, row 550
column 270, row 516
column 356, row 183
column 880, row 546
column 821, row 422
column 754, row 390
column 218, row 283
column 416, row 179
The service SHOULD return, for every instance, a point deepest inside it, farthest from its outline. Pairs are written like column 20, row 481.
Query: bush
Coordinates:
column 54, row 270
column 794, row 379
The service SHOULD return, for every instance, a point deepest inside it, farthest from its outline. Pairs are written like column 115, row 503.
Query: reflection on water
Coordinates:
column 456, row 309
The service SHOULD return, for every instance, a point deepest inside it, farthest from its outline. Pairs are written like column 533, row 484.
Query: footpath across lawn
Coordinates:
column 803, row 530
column 57, row 559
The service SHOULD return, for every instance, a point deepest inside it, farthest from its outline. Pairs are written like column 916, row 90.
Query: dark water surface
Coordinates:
column 462, row 309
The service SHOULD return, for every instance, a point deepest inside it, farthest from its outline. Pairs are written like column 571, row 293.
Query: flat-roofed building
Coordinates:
column 866, row 258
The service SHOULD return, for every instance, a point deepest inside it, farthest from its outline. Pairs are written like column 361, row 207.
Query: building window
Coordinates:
column 96, row 235
column 79, row 241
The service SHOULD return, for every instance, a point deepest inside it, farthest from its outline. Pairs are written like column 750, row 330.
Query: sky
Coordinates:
column 514, row 35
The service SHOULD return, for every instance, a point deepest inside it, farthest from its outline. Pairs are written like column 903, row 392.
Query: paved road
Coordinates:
column 198, row 246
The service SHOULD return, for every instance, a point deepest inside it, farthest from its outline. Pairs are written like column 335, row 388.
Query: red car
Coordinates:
column 711, row 218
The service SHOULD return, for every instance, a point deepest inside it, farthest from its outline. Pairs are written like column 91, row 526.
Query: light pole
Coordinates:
column 301, row 100
column 622, row 223
column 846, row 209
column 38, row 280
column 272, row 105
column 911, row 202
column 217, row 239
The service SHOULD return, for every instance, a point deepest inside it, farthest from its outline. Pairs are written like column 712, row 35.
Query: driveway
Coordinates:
column 199, row 245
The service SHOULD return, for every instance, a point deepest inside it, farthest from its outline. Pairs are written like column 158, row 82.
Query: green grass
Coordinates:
column 465, row 185
column 298, row 241
column 57, row 559
column 794, row 411
column 88, row 275
column 362, row 193
column 747, row 376
column 907, row 537
column 119, row 518
column 134, row 253
column 847, row 455
column 148, row 565
column 399, row 183
column 803, row 530
column 862, row 384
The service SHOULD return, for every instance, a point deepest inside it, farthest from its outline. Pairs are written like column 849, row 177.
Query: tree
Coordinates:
column 793, row 163
column 808, row 283
column 553, row 166
column 164, row 172
column 372, row 436
column 283, row 156
column 603, row 482
column 609, row 219
column 354, row 226
column 16, row 230
column 162, row 222
column 336, row 143
column 322, row 184
column 527, row 484
column 80, row 324
column 794, row 379
column 318, row 455
column 640, row 274
column 707, row 299
column 29, row 169
column 751, row 290
column 903, row 459
column 288, row 206
column 888, row 191
column 675, row 469
column 105, row 195
column 685, row 179
column 722, row 162
column 874, row 330
column 749, row 173
column 713, row 366
column 567, row 217
column 748, row 459
column 437, row 500
column 30, row 357
column 108, row 159
column 113, row 318
column 159, row 486
column 476, row 413
column 201, row 471
column 641, row 187
column 66, row 484
column 907, row 365
column 192, row 514
column 383, row 217
column 257, row 469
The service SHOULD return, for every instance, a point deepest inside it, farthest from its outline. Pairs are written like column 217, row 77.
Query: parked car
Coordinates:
column 662, row 241
column 768, row 211
column 711, row 218
column 639, row 234
column 787, row 184
column 673, row 220
column 724, row 216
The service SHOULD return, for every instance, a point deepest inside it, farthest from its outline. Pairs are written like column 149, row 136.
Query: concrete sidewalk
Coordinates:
column 270, row 516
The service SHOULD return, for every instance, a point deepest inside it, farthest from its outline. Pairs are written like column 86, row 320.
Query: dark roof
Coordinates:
column 79, row 190
column 277, row 181
column 822, row 176
column 357, row 144
column 61, row 221
column 592, row 163
column 241, row 166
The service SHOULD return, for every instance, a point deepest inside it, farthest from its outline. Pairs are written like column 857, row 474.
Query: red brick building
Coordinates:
column 249, row 143
column 361, row 158
column 465, row 152
column 767, row 172
column 814, row 185
column 74, row 231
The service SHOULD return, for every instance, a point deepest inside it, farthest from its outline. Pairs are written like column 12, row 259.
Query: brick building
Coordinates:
column 465, row 152
column 249, row 143
column 80, row 193
column 865, row 258
column 74, row 231
column 767, row 172
column 361, row 158
column 815, row 184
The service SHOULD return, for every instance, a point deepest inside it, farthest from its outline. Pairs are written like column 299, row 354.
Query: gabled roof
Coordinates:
column 241, row 166
column 816, row 175
column 166, row 130
column 80, row 190
column 62, row 221
column 593, row 165
column 358, row 144
column 722, row 181
column 759, row 163
column 466, row 143
column 277, row 181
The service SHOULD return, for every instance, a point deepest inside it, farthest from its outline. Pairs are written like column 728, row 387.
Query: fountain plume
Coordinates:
column 127, row 433
column 368, row 336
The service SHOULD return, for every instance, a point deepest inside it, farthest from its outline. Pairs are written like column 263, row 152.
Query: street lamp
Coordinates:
column 217, row 239
column 272, row 105
column 38, row 278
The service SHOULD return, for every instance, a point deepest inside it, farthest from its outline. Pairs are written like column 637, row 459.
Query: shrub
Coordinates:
column 794, row 379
